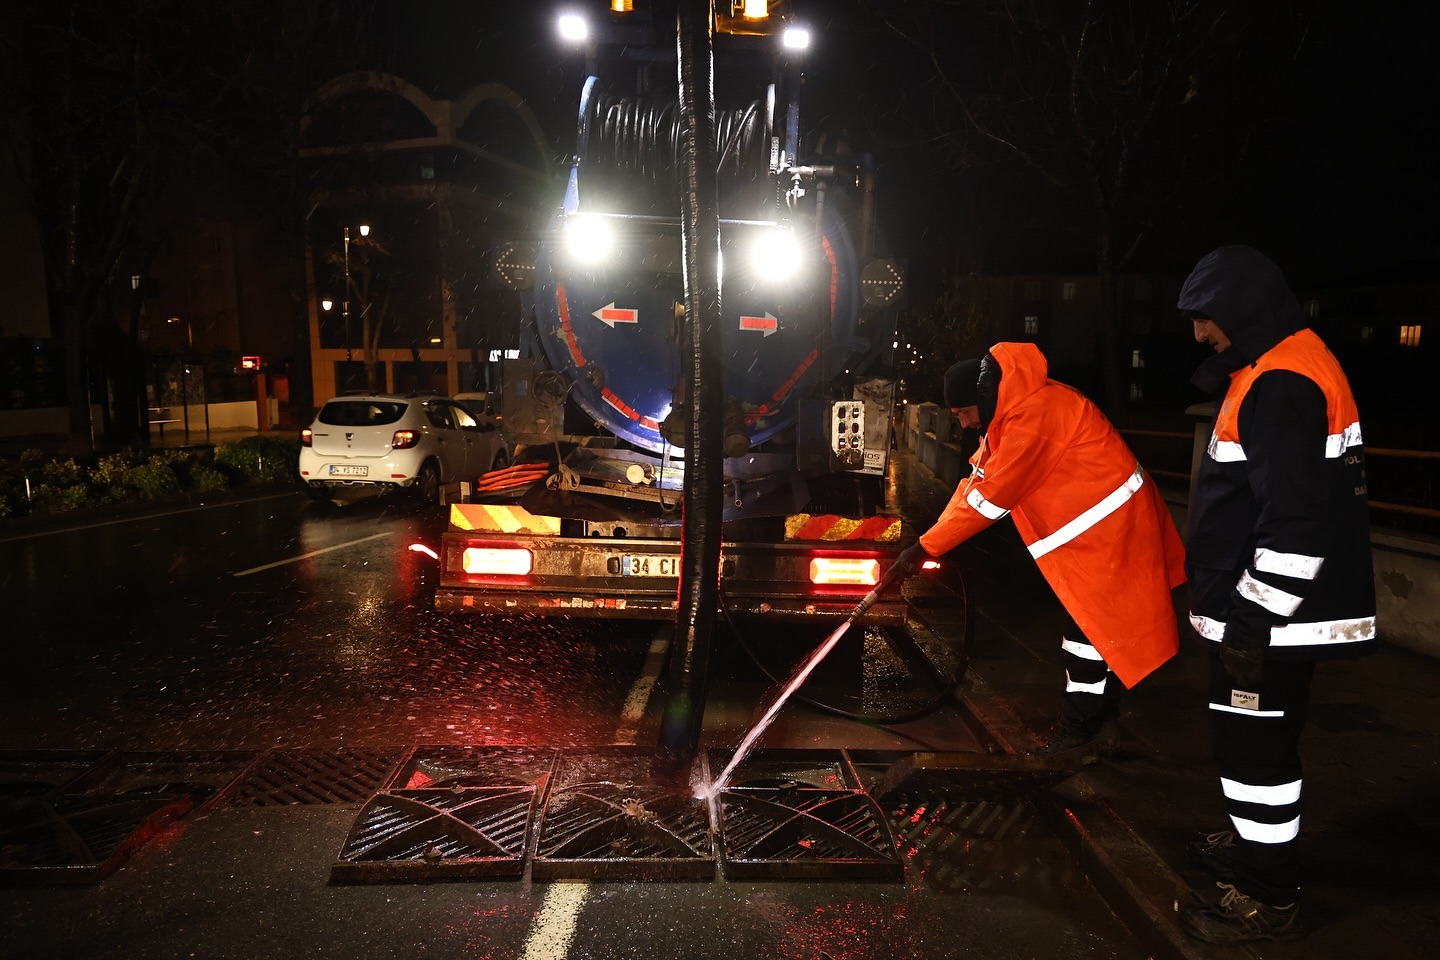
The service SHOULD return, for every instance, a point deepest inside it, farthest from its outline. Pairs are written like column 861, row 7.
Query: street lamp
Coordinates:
column 345, row 304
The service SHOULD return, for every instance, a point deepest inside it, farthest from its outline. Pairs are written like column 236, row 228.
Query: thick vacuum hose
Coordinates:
column 704, row 478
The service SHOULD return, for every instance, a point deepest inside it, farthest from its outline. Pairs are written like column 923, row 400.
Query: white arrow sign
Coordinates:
column 767, row 324
column 611, row 315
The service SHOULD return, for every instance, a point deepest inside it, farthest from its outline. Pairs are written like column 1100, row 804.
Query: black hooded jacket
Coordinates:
column 1279, row 544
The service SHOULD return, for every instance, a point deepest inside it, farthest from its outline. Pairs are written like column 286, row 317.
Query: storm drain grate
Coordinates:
column 784, row 833
column 957, row 845
column 608, row 819
column 78, row 838
column 794, row 814
column 439, row 834
column 457, row 766
column 32, row 773
column 292, row 777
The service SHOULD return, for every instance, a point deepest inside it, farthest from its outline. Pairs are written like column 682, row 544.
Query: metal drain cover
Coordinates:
column 439, row 834
column 607, row 819
column 288, row 777
column 800, row 814
column 785, row 833
column 78, row 838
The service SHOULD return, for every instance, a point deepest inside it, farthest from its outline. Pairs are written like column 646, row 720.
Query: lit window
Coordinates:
column 1137, row 359
column 1032, row 325
column 1312, row 308
column 1068, row 290
column 1410, row 335
column 1137, row 392
column 1365, row 332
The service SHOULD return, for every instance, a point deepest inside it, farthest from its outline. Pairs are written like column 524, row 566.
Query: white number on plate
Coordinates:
column 649, row 566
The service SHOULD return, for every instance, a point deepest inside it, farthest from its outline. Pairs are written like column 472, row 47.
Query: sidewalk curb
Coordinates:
column 1137, row 883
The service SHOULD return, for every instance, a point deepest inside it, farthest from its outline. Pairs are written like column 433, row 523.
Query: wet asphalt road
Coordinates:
column 280, row 623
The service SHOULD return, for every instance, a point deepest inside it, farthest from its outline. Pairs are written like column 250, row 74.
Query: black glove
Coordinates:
column 911, row 557
column 1242, row 653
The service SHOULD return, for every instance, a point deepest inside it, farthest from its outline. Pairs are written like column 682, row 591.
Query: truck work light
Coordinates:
column 572, row 28
column 796, row 38
column 588, row 238
column 775, row 254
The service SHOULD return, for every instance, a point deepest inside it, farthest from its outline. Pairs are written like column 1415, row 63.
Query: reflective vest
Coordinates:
column 1279, row 521
column 1094, row 522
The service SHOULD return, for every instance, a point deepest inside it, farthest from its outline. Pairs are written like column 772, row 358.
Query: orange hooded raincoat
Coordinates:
column 1091, row 517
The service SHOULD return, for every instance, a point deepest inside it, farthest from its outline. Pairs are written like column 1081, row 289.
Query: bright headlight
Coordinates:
column 588, row 238
column 775, row 254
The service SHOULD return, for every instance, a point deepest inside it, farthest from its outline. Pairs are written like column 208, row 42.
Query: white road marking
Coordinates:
column 553, row 928
column 142, row 518
column 639, row 694
column 307, row 556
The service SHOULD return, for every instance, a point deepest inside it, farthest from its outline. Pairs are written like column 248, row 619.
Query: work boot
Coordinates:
column 1238, row 918
column 1214, row 853
column 1085, row 740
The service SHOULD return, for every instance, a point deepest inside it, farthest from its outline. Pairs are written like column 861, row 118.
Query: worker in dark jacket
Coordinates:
column 1280, row 573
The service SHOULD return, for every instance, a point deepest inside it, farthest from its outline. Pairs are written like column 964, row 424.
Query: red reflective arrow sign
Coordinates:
column 611, row 315
column 766, row 324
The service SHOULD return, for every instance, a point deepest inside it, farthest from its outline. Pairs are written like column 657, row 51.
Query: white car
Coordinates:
column 390, row 442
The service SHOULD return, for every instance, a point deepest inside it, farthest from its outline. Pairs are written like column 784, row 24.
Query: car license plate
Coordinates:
column 349, row 470
column 649, row 565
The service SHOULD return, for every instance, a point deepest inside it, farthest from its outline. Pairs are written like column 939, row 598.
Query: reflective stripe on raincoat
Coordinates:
column 1093, row 520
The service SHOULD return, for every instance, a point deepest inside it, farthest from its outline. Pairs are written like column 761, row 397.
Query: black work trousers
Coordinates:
column 1092, row 692
column 1257, row 751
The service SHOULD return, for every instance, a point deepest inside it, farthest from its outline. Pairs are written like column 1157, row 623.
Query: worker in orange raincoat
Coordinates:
column 1090, row 516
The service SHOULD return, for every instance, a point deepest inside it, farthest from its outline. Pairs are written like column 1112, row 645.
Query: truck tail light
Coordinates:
column 496, row 561
column 404, row 439
column 858, row 571
column 307, row 437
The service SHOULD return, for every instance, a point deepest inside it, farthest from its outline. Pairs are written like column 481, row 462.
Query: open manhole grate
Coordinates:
column 607, row 819
column 793, row 814
column 291, row 777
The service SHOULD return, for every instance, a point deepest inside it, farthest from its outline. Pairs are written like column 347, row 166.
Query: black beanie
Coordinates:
column 960, row 384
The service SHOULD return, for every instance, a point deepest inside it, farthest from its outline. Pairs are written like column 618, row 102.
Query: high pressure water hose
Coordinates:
column 947, row 686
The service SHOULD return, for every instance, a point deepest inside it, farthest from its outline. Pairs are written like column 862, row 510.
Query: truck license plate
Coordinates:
column 649, row 565
column 348, row 470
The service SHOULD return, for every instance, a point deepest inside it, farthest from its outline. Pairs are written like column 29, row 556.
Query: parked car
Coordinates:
column 396, row 442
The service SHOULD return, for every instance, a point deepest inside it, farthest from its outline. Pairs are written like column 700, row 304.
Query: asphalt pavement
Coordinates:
column 1369, row 834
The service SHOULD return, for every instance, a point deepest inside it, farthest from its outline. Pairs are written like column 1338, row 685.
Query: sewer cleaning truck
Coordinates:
column 586, row 520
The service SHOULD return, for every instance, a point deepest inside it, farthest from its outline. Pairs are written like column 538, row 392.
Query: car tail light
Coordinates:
column 307, row 437
column 845, row 570
column 404, row 439
column 496, row 561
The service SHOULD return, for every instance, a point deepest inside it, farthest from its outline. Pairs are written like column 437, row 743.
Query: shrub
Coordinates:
column 154, row 479
column 206, row 479
column 261, row 459
column 62, row 473
column 57, row 499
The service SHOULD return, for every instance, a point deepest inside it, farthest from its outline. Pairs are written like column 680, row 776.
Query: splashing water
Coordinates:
column 773, row 710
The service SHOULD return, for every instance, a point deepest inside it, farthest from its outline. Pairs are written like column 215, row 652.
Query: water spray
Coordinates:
column 897, row 571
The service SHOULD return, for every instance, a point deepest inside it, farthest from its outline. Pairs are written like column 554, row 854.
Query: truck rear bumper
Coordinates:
column 638, row 578
column 632, row 606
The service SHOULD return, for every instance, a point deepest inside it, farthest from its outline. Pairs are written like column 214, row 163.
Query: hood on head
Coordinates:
column 1023, row 371
column 1246, row 295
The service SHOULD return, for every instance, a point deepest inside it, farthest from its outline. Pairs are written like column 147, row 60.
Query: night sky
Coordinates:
column 1337, row 177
